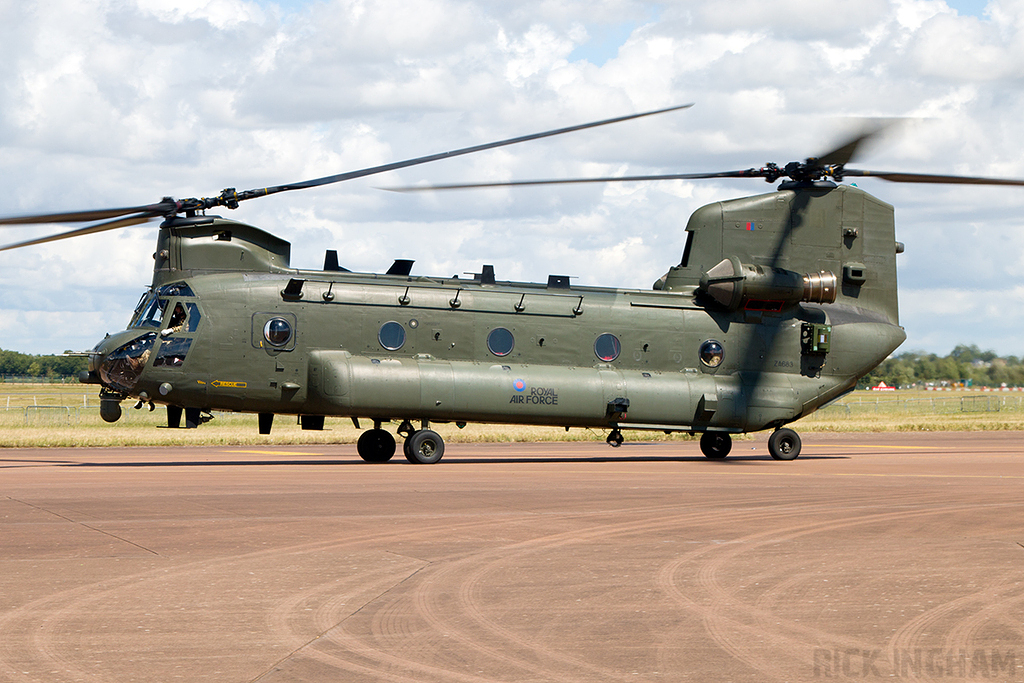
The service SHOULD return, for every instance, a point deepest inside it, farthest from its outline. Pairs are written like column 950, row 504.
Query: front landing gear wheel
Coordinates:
column 715, row 445
column 424, row 447
column 615, row 438
column 784, row 444
column 376, row 445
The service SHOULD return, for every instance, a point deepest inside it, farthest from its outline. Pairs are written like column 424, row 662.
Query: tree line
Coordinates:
column 965, row 366
column 13, row 363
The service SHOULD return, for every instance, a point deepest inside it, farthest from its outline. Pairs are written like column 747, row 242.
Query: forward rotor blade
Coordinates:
column 748, row 173
column 930, row 178
column 88, row 230
column 326, row 180
column 230, row 198
column 92, row 215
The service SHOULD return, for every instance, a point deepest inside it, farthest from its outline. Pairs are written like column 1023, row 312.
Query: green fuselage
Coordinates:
column 254, row 335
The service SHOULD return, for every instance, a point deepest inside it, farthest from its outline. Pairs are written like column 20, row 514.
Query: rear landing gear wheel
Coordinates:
column 615, row 438
column 376, row 445
column 715, row 445
column 424, row 447
column 784, row 444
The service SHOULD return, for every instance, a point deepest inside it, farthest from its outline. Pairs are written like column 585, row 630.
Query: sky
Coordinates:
column 122, row 102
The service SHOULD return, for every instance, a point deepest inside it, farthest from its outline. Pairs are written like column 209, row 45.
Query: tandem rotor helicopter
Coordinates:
column 779, row 304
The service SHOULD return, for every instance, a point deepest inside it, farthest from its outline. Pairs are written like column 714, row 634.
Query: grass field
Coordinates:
column 61, row 415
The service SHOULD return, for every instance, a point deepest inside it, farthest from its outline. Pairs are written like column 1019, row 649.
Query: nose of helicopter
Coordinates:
column 117, row 361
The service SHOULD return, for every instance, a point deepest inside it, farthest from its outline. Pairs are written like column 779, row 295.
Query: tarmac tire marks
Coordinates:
column 754, row 632
column 441, row 607
column 36, row 637
column 445, row 599
column 729, row 564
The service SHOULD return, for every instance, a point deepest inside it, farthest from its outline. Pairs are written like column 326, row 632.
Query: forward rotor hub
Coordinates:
column 800, row 171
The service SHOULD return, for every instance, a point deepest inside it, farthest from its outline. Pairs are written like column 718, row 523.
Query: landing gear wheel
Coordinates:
column 376, row 445
column 407, row 450
column 615, row 438
column 784, row 444
column 424, row 447
column 715, row 445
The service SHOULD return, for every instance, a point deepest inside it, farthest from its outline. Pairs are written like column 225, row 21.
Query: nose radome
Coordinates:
column 119, row 359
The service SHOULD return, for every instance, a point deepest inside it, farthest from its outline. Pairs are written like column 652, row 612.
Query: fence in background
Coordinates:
column 44, row 407
column 858, row 405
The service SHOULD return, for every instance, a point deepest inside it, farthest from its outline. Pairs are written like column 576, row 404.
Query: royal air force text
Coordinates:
column 537, row 396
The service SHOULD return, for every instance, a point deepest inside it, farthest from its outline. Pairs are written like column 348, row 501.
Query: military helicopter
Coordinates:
column 779, row 304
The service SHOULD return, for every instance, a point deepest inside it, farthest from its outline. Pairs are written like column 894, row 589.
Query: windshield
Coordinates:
column 149, row 312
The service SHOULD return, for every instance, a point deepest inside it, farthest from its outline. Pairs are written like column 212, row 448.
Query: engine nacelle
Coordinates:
column 733, row 285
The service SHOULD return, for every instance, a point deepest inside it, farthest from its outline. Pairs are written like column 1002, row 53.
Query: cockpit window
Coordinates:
column 177, row 321
column 183, row 319
column 154, row 313
column 121, row 369
column 176, row 289
column 172, row 352
column 150, row 312
column 193, row 317
column 153, row 303
column 139, row 306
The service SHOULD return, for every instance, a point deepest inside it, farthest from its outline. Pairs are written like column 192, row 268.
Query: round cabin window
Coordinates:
column 711, row 353
column 500, row 341
column 607, row 347
column 277, row 331
column 391, row 336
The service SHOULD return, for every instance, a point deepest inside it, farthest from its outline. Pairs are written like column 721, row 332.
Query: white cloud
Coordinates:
column 963, row 48
column 222, row 14
column 837, row 21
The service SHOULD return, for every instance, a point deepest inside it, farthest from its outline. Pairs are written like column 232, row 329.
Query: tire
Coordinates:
column 425, row 447
column 784, row 444
column 407, row 449
column 376, row 445
column 715, row 445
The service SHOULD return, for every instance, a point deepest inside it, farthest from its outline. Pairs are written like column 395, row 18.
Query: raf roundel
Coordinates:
column 519, row 385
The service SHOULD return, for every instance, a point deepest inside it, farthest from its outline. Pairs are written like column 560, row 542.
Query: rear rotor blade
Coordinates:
column 930, row 178
column 88, row 230
column 846, row 152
